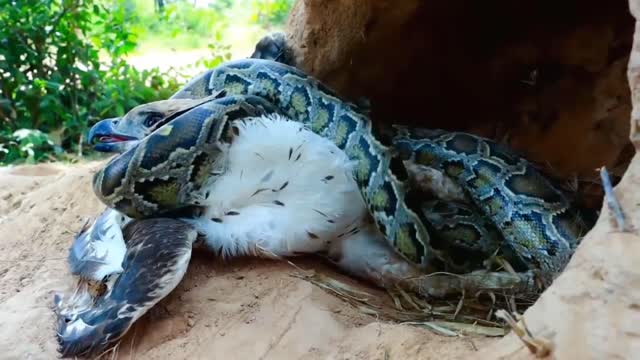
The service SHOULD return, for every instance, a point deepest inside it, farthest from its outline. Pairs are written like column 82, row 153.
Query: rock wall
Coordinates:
column 552, row 79
column 548, row 78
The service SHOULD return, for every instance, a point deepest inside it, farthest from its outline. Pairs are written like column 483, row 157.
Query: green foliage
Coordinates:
column 221, row 6
column 218, row 53
column 271, row 12
column 63, row 62
column 26, row 145
column 52, row 77
column 180, row 23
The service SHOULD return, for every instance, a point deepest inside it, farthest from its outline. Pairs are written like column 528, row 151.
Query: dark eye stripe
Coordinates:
column 152, row 119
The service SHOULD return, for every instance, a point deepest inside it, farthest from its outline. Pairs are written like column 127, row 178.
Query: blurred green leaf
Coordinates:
column 63, row 63
column 53, row 79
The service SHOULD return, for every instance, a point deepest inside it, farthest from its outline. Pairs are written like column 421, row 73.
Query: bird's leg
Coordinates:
column 368, row 255
column 442, row 285
column 157, row 255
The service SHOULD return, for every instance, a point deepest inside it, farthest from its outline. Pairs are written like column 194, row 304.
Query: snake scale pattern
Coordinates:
column 161, row 172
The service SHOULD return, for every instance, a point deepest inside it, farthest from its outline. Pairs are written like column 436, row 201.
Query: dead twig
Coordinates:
column 612, row 201
column 456, row 329
column 539, row 347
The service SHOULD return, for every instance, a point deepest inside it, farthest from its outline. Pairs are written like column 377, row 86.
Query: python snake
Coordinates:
column 161, row 173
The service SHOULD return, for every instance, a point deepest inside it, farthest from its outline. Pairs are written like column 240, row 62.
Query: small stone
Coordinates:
column 191, row 322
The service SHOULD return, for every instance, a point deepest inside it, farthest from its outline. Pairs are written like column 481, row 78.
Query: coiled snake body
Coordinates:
column 167, row 166
column 437, row 198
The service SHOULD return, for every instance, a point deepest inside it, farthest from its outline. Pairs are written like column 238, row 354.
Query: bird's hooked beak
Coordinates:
column 122, row 133
column 107, row 139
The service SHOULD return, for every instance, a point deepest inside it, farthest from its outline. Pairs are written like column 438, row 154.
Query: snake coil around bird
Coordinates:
column 160, row 173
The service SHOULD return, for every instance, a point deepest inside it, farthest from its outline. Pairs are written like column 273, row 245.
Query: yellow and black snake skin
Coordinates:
column 159, row 174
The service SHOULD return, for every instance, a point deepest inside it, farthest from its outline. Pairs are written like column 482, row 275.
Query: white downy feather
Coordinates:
column 286, row 190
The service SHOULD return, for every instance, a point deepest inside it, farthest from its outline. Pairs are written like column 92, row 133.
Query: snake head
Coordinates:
column 122, row 133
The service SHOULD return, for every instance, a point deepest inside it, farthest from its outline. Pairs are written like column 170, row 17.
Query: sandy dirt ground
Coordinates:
column 239, row 309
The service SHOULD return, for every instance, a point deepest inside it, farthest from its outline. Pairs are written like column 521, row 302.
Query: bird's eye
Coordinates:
column 152, row 119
